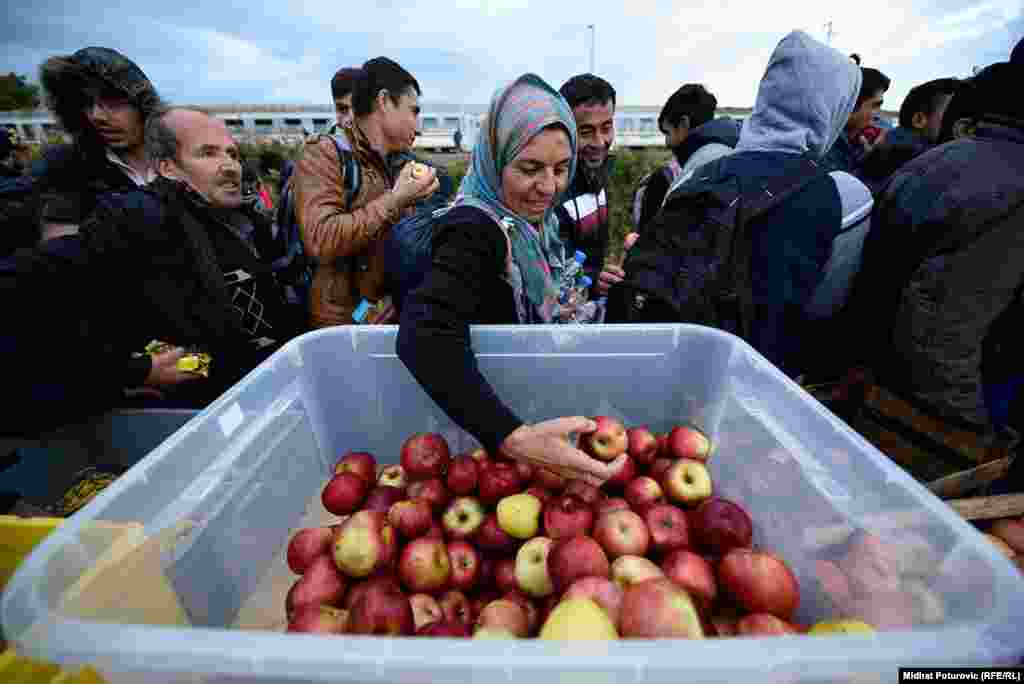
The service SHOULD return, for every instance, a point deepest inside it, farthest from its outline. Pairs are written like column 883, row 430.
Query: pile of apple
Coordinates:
column 478, row 546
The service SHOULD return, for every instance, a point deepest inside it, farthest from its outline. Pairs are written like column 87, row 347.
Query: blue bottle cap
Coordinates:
column 580, row 257
column 586, row 281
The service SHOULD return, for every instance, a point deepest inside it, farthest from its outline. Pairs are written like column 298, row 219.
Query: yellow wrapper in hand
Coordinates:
column 195, row 363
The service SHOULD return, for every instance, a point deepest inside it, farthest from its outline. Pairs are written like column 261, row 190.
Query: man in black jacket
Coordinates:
column 101, row 98
column 583, row 214
column 180, row 261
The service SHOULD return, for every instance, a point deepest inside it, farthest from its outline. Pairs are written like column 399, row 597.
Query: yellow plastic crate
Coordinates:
column 18, row 536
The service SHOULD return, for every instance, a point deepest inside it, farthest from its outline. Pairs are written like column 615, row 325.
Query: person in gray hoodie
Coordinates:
column 807, row 250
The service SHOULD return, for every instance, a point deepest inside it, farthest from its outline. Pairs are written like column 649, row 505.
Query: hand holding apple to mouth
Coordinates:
column 547, row 445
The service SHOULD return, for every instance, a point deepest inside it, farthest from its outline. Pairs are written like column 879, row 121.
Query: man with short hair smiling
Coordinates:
column 583, row 214
column 344, row 234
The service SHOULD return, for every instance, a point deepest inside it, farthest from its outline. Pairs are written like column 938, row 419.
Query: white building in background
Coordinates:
column 635, row 126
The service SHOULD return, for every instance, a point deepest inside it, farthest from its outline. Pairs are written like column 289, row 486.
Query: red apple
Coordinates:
column 687, row 482
column 626, row 474
column 306, row 545
column 543, row 495
column 410, row 517
column 661, row 451
column 694, row 574
column 383, row 498
column 669, row 528
column 465, row 563
column 601, row 590
column 481, row 457
column 763, row 624
column 385, row 582
column 622, row 533
column 456, row 607
column 490, row 537
column 322, row 584
column 686, row 441
column 567, row 516
column 505, row 575
column 462, row 475
column 480, row 601
column 584, row 491
column 463, row 517
column 608, row 441
column 759, row 582
column 719, row 525
column 361, row 463
column 365, row 544
column 485, row 576
column 614, row 503
column 498, row 480
column 393, row 476
column 643, row 492
column 344, row 494
column 432, row 491
column 504, row 614
column 424, row 567
column 318, row 619
column 657, row 608
column 571, row 558
column 532, row 613
column 660, row 467
column 549, row 480
column 643, row 445
column 436, row 530
column 425, row 610
column 380, row 611
column 451, row 630
column 425, row 455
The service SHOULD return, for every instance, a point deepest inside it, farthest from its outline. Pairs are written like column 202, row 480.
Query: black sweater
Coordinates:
column 465, row 286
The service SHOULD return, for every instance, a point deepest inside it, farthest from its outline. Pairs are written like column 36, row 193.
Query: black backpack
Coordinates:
column 295, row 269
column 692, row 262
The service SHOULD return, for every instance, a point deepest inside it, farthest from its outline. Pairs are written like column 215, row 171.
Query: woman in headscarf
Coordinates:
column 498, row 260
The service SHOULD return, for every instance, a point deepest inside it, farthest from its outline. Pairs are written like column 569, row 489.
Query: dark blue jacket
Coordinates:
column 791, row 246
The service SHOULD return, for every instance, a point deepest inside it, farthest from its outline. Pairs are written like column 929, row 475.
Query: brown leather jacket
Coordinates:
column 347, row 244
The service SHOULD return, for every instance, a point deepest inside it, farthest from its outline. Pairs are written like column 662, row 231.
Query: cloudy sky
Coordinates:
column 245, row 51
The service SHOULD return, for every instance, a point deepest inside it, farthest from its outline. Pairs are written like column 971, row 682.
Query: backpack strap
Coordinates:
column 350, row 168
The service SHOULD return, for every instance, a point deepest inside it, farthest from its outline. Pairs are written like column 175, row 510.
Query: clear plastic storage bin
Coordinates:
column 176, row 572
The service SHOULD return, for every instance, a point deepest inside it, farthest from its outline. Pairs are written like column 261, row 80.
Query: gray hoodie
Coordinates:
column 806, row 96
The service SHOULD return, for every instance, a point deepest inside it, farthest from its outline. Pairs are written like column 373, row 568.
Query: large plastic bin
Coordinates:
column 199, row 583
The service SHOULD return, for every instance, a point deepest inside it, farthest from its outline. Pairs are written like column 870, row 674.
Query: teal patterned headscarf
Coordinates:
column 518, row 113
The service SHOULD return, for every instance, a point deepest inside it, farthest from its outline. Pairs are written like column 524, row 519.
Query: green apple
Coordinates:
column 532, row 574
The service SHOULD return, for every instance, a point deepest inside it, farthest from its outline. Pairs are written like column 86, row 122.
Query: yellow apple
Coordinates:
column 579, row 619
column 519, row 515
column 841, row 627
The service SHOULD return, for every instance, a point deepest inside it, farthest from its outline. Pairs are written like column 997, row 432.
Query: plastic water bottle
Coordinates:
column 572, row 269
column 584, row 310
